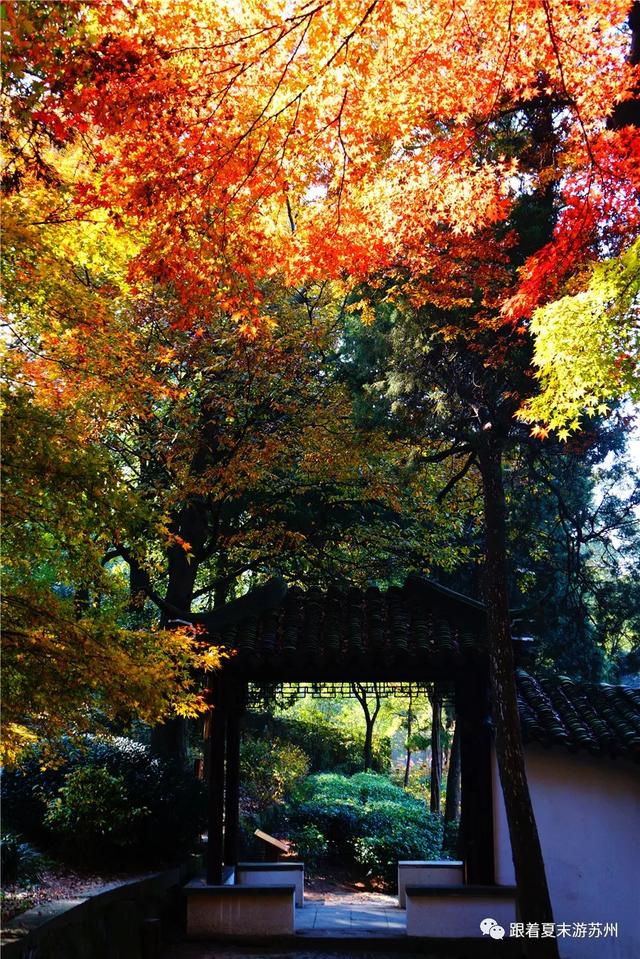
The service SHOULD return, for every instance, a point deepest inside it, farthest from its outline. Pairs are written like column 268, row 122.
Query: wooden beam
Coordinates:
column 216, row 785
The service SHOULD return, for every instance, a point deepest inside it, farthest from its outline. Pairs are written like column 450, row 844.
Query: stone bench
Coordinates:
column 272, row 874
column 239, row 911
column 457, row 911
column 428, row 872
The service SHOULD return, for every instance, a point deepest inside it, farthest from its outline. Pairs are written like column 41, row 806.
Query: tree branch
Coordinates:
column 456, row 479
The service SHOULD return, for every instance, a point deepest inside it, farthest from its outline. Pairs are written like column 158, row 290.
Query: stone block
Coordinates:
column 272, row 874
column 456, row 911
column 239, row 911
column 425, row 872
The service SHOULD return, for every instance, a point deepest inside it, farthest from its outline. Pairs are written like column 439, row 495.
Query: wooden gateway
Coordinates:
column 416, row 633
column 582, row 749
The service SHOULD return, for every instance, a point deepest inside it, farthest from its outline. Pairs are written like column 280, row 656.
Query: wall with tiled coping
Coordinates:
column 113, row 922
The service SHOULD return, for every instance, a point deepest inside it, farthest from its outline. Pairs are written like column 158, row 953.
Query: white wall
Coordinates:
column 588, row 814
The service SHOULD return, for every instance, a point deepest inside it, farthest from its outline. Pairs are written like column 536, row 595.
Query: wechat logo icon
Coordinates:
column 489, row 927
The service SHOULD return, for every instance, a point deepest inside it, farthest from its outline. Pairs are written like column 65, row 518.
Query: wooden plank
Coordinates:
column 277, row 843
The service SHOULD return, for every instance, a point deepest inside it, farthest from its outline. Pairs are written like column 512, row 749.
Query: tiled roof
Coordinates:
column 381, row 633
column 601, row 719
column 417, row 632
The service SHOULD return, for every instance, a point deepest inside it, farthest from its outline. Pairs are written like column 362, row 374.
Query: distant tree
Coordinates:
column 370, row 712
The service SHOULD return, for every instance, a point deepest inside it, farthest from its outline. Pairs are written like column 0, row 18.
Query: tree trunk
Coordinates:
column 407, row 765
column 81, row 601
column 169, row 739
column 137, row 594
column 368, row 742
column 452, row 801
column 360, row 693
column 436, row 751
column 534, row 902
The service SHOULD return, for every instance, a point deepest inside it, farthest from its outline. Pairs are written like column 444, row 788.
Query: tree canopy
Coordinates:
column 206, row 204
column 200, row 198
column 253, row 138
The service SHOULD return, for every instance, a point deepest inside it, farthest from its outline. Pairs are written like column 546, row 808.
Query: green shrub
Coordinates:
column 25, row 790
column 9, row 856
column 311, row 845
column 169, row 801
column 379, row 854
column 336, row 819
column 20, row 862
column 95, row 809
column 375, row 787
column 269, row 770
column 325, row 787
column 327, row 745
column 366, row 820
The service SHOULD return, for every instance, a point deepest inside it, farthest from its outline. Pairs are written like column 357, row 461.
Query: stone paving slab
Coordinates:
column 350, row 917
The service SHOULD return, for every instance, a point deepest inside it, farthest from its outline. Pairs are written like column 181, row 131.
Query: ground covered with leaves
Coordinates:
column 56, row 882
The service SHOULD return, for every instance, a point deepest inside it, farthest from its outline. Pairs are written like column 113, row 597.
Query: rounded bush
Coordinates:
column 19, row 861
column 94, row 808
column 366, row 820
column 311, row 845
column 372, row 786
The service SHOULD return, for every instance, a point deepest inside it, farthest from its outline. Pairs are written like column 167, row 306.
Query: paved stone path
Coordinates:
column 351, row 916
column 373, row 921
column 372, row 916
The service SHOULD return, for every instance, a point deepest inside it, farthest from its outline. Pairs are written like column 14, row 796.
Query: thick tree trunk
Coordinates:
column 137, row 587
column 169, row 739
column 534, row 902
column 81, row 601
column 436, row 752
column 452, row 801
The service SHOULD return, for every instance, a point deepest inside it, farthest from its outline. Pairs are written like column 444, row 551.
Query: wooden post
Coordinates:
column 476, row 805
column 232, row 792
column 216, row 786
column 436, row 750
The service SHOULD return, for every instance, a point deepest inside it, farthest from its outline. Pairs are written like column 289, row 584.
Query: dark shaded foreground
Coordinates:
column 419, row 949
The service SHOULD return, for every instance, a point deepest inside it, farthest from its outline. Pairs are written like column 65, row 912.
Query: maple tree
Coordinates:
column 241, row 143
column 587, row 345
column 181, row 463
column 69, row 664
column 363, row 125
